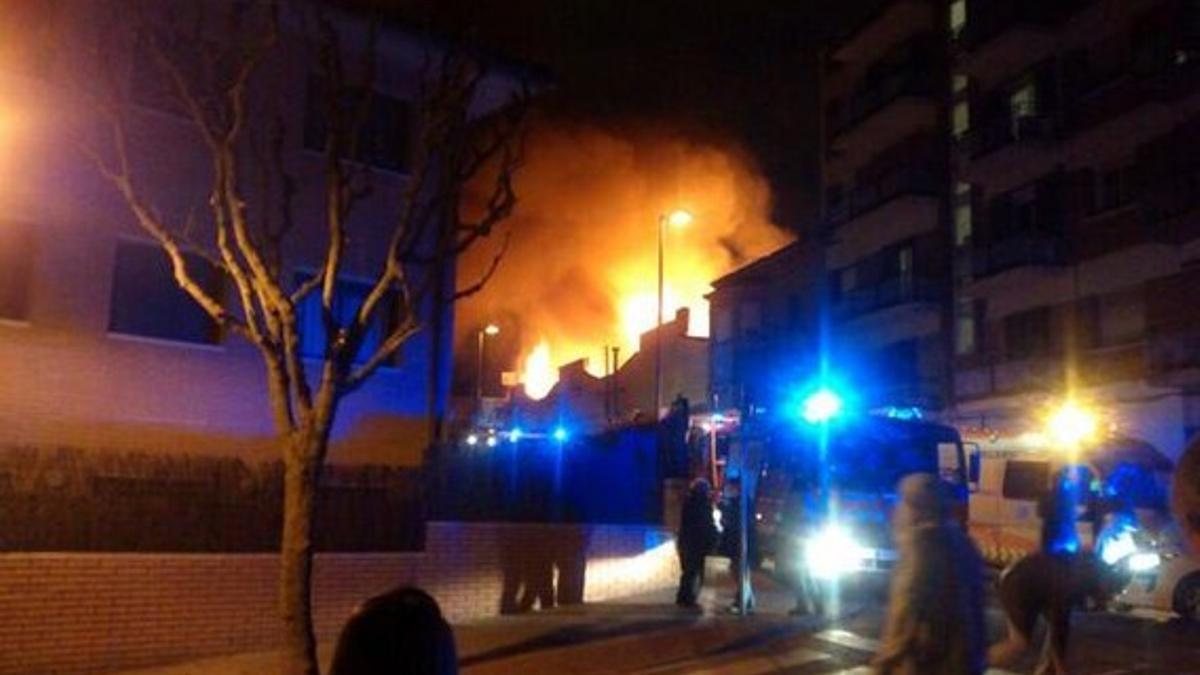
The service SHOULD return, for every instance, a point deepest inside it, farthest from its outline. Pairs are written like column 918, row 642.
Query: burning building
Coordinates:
column 580, row 275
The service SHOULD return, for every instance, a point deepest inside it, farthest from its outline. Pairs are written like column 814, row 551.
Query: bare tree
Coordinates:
column 209, row 59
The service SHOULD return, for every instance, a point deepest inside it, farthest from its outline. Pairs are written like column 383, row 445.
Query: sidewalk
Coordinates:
column 635, row 633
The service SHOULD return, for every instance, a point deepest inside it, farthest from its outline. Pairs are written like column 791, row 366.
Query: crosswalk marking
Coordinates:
column 845, row 638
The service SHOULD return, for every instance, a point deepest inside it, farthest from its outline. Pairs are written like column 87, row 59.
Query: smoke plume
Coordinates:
column 581, row 269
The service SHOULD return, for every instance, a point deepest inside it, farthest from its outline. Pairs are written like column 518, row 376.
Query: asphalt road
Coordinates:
column 647, row 635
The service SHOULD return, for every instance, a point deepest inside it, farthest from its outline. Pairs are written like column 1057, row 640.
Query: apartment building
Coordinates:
column 1075, row 206
column 884, row 89
column 98, row 347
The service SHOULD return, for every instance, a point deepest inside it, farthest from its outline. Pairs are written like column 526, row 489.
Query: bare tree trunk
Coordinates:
column 301, row 472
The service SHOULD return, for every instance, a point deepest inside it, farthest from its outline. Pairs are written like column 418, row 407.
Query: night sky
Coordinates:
column 741, row 69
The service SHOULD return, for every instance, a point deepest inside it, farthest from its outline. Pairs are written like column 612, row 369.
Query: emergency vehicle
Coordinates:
column 1121, row 511
column 825, row 492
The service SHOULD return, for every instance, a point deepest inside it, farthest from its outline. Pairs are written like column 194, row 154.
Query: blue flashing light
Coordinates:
column 515, row 434
column 560, row 434
column 906, row 413
column 821, row 406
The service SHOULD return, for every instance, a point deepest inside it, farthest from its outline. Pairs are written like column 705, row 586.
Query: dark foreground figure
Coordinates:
column 401, row 632
column 1049, row 586
column 697, row 537
column 935, row 622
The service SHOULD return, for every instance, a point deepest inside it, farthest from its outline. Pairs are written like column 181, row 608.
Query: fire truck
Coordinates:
column 826, row 488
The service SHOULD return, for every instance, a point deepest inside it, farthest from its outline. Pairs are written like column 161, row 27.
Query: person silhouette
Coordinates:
column 401, row 632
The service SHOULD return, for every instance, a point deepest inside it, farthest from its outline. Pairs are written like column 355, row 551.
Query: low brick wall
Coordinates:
column 95, row 612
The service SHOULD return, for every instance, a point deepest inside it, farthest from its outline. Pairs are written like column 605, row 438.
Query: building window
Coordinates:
column 1028, row 333
column 962, row 214
column 904, row 271
column 958, row 17
column 967, row 327
column 1025, row 480
column 960, row 119
column 348, row 296
column 146, row 300
column 1023, row 105
column 384, row 137
column 16, row 269
column 959, row 84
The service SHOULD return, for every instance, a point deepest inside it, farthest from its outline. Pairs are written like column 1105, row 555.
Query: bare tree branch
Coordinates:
column 474, row 288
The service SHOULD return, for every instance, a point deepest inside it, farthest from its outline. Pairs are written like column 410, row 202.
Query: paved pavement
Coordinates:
column 648, row 635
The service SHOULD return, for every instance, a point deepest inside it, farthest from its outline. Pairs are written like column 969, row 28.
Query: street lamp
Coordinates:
column 676, row 218
column 490, row 330
column 1072, row 424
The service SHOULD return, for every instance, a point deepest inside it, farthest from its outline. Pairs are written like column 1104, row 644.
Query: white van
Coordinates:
column 1007, row 484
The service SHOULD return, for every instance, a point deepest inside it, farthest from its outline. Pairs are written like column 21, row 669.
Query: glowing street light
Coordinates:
column 491, row 329
column 676, row 218
column 679, row 218
column 472, row 439
column 821, row 406
column 1072, row 424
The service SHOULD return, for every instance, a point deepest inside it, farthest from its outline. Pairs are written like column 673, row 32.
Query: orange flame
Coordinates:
column 581, row 273
column 538, row 376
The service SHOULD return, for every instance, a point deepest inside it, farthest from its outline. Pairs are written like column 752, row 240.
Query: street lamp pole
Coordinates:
column 662, row 226
column 490, row 329
column 678, row 218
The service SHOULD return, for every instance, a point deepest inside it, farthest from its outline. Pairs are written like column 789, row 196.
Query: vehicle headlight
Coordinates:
column 1144, row 561
column 832, row 553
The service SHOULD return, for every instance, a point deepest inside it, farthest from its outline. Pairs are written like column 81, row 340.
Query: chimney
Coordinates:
column 681, row 320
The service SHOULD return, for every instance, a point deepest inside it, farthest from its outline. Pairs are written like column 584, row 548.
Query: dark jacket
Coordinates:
column 697, row 531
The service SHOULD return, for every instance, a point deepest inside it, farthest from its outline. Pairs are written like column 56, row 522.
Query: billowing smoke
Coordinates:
column 581, row 270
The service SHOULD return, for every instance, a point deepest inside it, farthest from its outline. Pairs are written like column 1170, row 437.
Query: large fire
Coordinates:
column 581, row 272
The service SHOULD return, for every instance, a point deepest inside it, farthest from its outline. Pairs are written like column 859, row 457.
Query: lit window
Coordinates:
column 348, row 297
column 16, row 254
column 904, row 265
column 962, row 214
column 960, row 118
column 147, row 301
column 966, row 328
column 1023, row 104
column 958, row 17
column 960, row 83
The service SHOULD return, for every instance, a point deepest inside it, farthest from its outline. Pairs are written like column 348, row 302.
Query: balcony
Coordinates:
column 918, row 181
column 988, row 20
column 1003, row 152
column 1008, row 375
column 1134, row 84
column 889, row 293
column 1021, row 250
column 898, row 20
column 871, row 99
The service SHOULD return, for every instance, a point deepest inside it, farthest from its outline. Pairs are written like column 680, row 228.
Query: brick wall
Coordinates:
column 79, row 612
